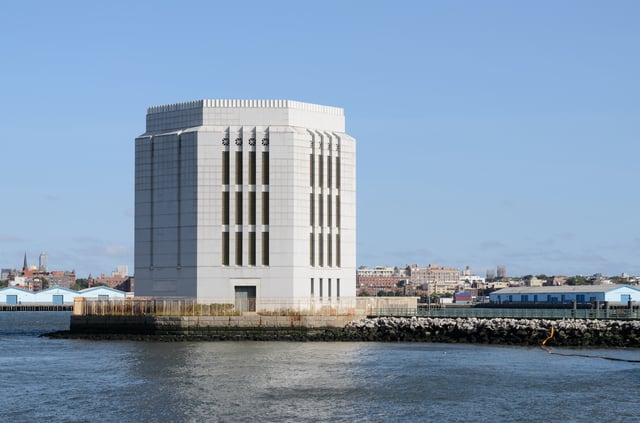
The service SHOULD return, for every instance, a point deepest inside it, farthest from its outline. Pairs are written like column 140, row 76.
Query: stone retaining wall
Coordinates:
column 576, row 332
column 166, row 325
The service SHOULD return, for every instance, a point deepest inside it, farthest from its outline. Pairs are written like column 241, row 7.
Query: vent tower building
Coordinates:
column 245, row 200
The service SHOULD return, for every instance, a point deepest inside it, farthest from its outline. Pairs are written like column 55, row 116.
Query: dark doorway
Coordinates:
column 245, row 298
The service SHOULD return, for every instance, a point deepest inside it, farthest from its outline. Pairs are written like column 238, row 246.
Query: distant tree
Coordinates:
column 577, row 280
column 4, row 284
column 80, row 284
column 619, row 280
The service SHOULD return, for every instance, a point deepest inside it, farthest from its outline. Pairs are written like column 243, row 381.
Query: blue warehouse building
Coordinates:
column 581, row 294
column 56, row 295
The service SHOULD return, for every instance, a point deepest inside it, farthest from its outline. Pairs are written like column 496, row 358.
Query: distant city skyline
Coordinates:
column 490, row 133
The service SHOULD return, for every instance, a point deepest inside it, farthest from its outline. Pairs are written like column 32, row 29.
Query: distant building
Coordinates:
column 491, row 274
column 581, row 294
column 55, row 295
column 432, row 274
column 62, row 278
column 502, row 272
column 466, row 272
column 103, row 280
column 6, row 274
column 121, row 270
column 534, row 281
column 379, row 278
column 118, row 279
column 42, row 262
column 462, row 298
column 474, row 280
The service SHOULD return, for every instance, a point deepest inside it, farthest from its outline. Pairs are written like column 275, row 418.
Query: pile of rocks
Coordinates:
column 576, row 332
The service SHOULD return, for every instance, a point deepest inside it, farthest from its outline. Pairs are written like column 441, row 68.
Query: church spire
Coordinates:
column 24, row 266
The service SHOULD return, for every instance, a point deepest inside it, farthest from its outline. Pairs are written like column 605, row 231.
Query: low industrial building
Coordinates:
column 56, row 295
column 580, row 294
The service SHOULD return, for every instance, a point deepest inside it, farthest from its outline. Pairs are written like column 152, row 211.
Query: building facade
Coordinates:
column 380, row 277
column 432, row 274
column 56, row 295
column 580, row 294
column 245, row 199
column 42, row 262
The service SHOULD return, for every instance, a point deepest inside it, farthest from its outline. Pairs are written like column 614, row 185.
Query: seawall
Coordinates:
column 570, row 332
column 574, row 332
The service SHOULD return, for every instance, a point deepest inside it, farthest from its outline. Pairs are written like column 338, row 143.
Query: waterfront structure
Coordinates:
column 102, row 293
column 56, row 295
column 245, row 200
column 581, row 294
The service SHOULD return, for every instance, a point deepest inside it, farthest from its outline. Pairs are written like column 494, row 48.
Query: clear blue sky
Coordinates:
column 489, row 132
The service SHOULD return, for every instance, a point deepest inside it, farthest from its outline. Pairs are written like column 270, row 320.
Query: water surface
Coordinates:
column 79, row 380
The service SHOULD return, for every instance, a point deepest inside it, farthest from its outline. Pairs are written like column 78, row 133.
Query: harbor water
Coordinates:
column 131, row 381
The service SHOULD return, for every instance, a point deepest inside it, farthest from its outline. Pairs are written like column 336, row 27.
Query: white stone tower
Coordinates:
column 245, row 199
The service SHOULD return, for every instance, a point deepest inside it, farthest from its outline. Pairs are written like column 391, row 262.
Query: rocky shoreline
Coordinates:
column 575, row 332
column 499, row 331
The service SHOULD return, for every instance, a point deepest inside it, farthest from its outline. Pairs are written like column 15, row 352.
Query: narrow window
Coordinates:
column 252, row 167
column 320, row 211
column 238, row 248
column 265, row 168
column 238, row 208
column 225, row 168
column 338, row 287
column 265, row 208
column 329, row 171
column 312, row 287
column 225, row 248
column 252, row 248
column 329, row 250
column 329, row 210
column 338, row 172
column 238, row 167
column 312, row 210
column 312, row 250
column 265, row 248
column 312, row 176
column 320, row 287
column 252, row 207
column 225, row 207
column 337, row 250
column 320, row 171
column 329, row 288
column 320, row 251
column 337, row 211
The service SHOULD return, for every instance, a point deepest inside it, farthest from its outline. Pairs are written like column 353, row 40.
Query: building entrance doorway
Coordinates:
column 245, row 298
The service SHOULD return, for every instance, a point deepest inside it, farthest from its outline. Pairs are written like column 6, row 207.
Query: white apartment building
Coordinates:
column 245, row 200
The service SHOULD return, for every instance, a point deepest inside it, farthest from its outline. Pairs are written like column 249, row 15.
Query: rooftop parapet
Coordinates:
column 220, row 112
